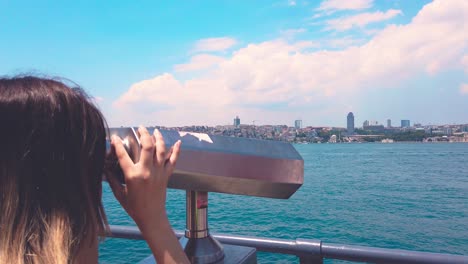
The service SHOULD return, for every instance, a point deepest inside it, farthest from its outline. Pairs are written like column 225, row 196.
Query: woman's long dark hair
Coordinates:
column 53, row 144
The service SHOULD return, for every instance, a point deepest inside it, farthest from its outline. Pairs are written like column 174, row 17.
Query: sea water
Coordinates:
column 410, row 196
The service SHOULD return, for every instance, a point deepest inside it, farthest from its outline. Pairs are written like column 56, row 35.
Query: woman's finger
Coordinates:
column 147, row 147
column 122, row 156
column 174, row 156
column 168, row 155
column 160, row 148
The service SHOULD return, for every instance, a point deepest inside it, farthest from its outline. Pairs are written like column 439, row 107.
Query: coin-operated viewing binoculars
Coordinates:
column 211, row 163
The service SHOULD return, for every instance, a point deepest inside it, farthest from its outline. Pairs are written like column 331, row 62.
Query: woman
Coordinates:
column 51, row 166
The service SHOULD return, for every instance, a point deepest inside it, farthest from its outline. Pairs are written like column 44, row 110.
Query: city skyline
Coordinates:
column 179, row 63
column 350, row 122
column 370, row 132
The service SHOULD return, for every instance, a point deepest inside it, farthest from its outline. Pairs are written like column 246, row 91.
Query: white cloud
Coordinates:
column 335, row 5
column 464, row 88
column 164, row 100
column 288, row 3
column 464, row 63
column 371, row 32
column 292, row 32
column 304, row 45
column 214, row 44
column 344, row 42
column 199, row 62
column 144, row 91
column 261, row 77
column 361, row 20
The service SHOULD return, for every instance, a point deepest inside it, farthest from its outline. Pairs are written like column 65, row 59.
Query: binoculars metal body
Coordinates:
column 222, row 164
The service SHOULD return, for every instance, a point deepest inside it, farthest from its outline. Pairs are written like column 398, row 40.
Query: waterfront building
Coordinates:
column 237, row 121
column 312, row 133
column 389, row 123
column 405, row 123
column 298, row 124
column 448, row 131
column 375, row 128
column 437, row 132
column 350, row 123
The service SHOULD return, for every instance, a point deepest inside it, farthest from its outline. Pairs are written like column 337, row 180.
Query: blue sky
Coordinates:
column 186, row 62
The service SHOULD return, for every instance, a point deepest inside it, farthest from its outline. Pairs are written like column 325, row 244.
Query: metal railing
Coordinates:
column 312, row 250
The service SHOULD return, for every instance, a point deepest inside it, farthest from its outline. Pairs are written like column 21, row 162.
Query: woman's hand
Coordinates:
column 144, row 194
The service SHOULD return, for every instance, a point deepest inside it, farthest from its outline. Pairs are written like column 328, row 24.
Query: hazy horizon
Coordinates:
column 356, row 125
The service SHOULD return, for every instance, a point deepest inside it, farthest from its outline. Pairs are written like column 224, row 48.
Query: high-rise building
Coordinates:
column 366, row 123
column 448, row 130
column 389, row 123
column 237, row 121
column 405, row 123
column 298, row 124
column 350, row 123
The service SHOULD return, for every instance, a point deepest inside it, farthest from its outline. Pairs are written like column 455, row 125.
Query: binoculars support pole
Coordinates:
column 197, row 214
column 198, row 244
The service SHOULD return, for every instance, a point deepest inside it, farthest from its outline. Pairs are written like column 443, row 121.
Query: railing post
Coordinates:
column 310, row 260
column 311, row 246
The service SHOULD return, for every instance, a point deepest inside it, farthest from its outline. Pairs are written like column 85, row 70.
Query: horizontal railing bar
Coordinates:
column 385, row 255
column 312, row 247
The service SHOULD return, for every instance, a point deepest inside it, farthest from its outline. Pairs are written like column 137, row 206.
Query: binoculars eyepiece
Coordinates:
column 131, row 143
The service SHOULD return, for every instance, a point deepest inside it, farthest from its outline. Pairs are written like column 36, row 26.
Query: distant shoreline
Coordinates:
column 377, row 142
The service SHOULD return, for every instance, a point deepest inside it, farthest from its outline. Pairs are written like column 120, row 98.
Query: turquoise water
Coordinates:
column 407, row 196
